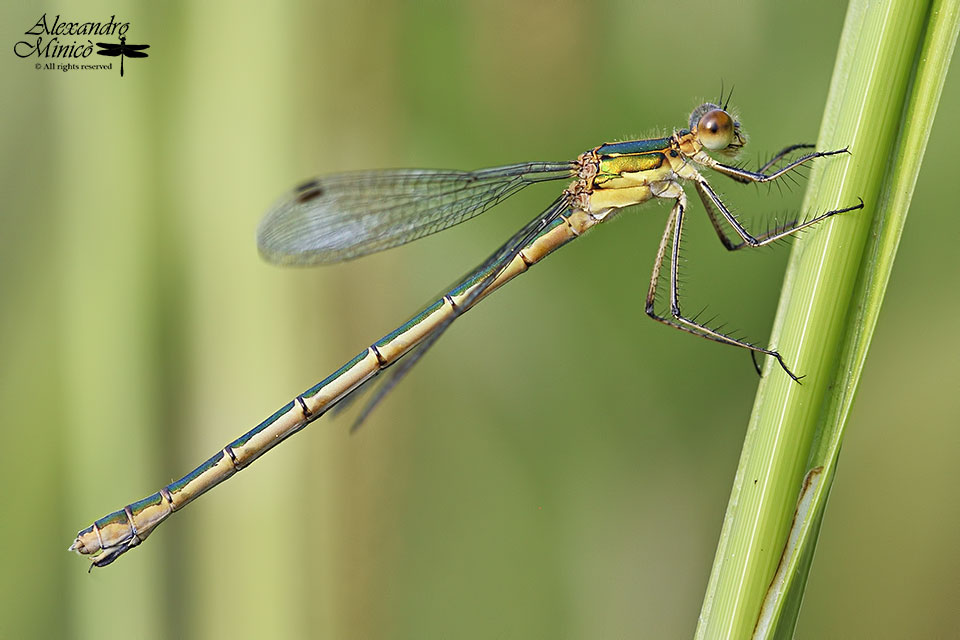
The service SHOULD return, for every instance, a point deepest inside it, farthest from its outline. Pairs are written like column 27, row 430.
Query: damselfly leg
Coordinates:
column 714, row 205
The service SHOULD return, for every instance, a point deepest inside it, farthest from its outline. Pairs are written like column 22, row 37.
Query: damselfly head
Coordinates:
column 716, row 129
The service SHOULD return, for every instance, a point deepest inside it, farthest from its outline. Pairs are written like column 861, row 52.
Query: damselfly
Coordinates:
column 348, row 215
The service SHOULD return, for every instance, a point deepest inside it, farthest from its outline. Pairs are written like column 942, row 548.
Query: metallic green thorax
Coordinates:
column 630, row 157
column 633, row 147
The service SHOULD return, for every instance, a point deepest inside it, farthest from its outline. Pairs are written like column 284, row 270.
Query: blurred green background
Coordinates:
column 559, row 465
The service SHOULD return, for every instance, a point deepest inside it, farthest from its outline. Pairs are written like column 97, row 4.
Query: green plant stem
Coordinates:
column 828, row 309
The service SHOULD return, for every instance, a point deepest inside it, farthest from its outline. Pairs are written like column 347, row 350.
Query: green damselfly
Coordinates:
column 348, row 215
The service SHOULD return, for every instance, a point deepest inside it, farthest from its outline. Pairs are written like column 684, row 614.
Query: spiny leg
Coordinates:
column 767, row 237
column 668, row 234
column 712, row 203
column 746, row 176
column 783, row 152
column 655, row 281
column 674, row 229
column 715, row 221
column 779, row 156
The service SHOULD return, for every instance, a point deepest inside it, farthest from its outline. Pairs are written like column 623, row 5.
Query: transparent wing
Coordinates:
column 348, row 215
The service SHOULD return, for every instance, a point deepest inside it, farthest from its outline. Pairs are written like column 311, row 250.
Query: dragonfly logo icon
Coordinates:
column 123, row 50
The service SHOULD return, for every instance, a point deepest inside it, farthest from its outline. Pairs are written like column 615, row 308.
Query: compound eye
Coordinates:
column 716, row 129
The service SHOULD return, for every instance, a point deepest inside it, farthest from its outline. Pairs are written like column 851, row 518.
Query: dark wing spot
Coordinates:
column 310, row 194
